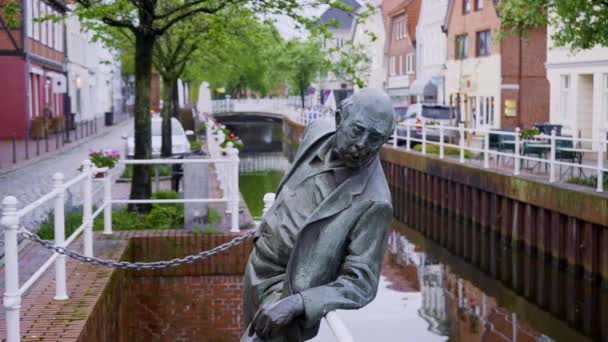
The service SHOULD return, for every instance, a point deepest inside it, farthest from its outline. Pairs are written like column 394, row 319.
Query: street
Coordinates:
column 31, row 181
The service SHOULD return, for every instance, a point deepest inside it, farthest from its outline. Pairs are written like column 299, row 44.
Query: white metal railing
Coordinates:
column 335, row 323
column 11, row 216
column 456, row 137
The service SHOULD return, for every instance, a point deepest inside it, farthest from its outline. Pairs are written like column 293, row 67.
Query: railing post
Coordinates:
column 486, row 150
column 408, row 138
column 441, row 141
column 107, row 202
column 600, row 164
column 268, row 201
column 233, row 154
column 12, row 298
column 395, row 137
column 552, row 157
column 423, row 139
column 87, row 207
column 461, row 141
column 59, row 216
column 517, row 161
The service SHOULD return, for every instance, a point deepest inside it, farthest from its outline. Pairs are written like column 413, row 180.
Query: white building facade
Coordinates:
column 94, row 74
column 579, row 90
column 431, row 51
column 373, row 26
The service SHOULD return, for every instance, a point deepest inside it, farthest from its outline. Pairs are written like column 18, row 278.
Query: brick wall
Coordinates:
column 197, row 302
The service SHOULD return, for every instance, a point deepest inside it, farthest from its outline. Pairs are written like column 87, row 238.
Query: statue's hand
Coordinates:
column 272, row 318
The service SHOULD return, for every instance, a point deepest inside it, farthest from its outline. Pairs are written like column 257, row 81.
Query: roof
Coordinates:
column 345, row 19
column 411, row 8
column 413, row 13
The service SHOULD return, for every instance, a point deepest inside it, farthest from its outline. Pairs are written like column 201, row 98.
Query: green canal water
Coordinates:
column 255, row 185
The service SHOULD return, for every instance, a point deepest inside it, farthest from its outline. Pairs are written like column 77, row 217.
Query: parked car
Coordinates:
column 431, row 116
column 400, row 112
column 179, row 138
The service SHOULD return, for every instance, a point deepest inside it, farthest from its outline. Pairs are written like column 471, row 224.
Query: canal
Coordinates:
column 430, row 291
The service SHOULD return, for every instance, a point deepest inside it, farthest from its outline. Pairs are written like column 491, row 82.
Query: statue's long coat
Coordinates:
column 335, row 262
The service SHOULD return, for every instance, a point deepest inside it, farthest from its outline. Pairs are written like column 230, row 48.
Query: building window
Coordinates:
column 564, row 94
column 409, row 63
column 462, row 46
column 400, row 65
column 36, row 15
column 43, row 24
column 466, row 6
column 484, row 43
column 400, row 32
column 478, row 5
column 392, row 66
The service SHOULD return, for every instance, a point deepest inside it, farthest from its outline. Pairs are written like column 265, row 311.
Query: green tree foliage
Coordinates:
column 239, row 53
column 579, row 24
column 149, row 19
column 9, row 14
column 303, row 62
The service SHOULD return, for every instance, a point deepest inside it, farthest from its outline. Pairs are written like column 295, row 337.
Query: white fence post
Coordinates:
column 552, row 157
column 233, row 201
column 600, row 164
column 395, row 137
column 268, row 201
column 486, row 150
column 408, row 140
column 461, row 141
column 441, row 142
column 59, row 216
column 423, row 139
column 87, row 207
column 12, row 298
column 107, row 202
column 517, row 160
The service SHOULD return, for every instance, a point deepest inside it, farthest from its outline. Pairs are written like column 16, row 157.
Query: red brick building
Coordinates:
column 504, row 81
column 32, row 68
column 401, row 21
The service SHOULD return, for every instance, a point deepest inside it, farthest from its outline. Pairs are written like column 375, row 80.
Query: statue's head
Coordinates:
column 364, row 122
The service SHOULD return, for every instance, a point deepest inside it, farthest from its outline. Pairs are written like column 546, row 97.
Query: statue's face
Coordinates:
column 360, row 133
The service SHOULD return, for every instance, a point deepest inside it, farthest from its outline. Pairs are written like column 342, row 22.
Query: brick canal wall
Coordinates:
column 563, row 223
column 197, row 302
column 566, row 225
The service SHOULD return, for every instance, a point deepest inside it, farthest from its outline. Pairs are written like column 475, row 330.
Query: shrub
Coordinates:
column 196, row 145
column 591, row 181
column 448, row 150
column 207, row 230
column 163, row 171
column 213, row 216
column 201, row 127
column 73, row 220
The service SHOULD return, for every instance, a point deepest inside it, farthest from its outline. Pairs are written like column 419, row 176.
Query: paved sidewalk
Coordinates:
column 29, row 182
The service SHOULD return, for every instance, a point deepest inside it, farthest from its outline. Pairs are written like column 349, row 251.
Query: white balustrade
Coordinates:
column 517, row 143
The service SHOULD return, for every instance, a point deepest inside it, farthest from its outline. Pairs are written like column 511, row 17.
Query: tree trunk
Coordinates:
column 167, row 113
column 141, row 187
column 175, row 99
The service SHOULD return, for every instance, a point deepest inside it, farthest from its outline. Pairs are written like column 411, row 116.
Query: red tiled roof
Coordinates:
column 413, row 13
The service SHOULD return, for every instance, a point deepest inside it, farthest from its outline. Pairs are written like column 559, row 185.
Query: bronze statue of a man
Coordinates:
column 320, row 246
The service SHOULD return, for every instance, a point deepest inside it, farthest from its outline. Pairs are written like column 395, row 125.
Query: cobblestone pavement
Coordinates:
column 31, row 181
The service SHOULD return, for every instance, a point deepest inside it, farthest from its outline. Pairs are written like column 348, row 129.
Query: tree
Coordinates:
column 303, row 62
column 148, row 20
column 579, row 24
column 353, row 64
column 239, row 54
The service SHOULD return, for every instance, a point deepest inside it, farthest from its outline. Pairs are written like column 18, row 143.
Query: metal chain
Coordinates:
column 137, row 265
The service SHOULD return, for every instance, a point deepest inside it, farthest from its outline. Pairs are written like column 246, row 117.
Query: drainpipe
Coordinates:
column 28, row 82
column 519, row 114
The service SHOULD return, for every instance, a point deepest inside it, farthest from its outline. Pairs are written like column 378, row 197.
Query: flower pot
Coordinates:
column 100, row 175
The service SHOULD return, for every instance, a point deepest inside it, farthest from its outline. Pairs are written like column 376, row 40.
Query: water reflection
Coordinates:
column 460, row 302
